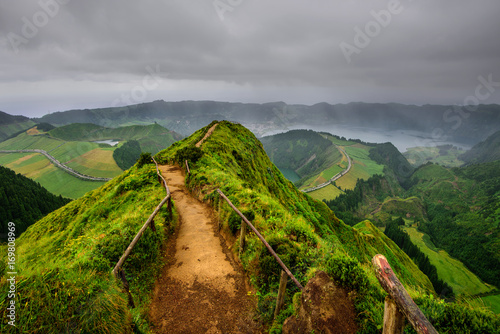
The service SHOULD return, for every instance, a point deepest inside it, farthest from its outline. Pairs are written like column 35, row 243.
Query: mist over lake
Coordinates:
column 402, row 139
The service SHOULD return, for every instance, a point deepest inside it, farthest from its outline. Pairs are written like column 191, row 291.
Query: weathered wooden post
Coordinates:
column 280, row 300
column 394, row 320
column 121, row 275
column 243, row 233
column 187, row 168
column 398, row 302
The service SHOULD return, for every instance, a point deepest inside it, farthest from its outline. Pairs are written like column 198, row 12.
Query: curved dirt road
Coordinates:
column 201, row 289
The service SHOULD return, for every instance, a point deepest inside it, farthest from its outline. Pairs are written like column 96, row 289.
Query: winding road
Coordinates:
column 336, row 176
column 57, row 163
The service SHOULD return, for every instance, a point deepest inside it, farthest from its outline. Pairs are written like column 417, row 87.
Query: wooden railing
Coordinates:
column 285, row 273
column 118, row 269
column 398, row 304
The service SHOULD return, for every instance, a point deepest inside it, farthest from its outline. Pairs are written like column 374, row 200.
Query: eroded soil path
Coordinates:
column 201, row 289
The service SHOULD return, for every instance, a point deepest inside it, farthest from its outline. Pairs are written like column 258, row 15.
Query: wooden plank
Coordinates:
column 398, row 293
column 394, row 320
column 273, row 253
column 280, row 300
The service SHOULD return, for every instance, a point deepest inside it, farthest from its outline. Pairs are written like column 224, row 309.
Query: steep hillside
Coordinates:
column 23, row 201
column 10, row 125
column 303, row 152
column 304, row 232
column 64, row 260
column 485, row 151
column 457, row 208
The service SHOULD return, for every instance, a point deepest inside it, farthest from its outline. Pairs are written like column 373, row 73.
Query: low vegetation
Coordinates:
column 64, row 261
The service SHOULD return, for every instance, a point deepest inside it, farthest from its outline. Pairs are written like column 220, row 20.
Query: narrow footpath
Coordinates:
column 201, row 289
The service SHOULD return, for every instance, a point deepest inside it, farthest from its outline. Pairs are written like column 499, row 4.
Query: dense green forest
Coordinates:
column 24, row 201
column 127, row 154
column 461, row 210
column 402, row 239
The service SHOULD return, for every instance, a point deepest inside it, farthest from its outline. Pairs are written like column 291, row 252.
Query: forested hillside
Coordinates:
column 485, row 151
column 23, row 201
column 456, row 208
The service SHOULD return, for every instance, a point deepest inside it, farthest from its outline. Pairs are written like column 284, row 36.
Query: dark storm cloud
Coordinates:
column 62, row 54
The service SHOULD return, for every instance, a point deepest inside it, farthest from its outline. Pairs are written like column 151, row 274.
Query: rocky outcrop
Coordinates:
column 324, row 308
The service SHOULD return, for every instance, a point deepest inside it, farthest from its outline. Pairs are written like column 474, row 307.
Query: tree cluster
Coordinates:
column 402, row 239
column 24, row 201
column 127, row 154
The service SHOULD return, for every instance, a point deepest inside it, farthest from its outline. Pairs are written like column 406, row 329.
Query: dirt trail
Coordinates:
column 201, row 289
column 209, row 132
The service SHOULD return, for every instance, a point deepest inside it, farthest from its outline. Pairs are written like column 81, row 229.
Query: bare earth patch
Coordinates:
column 202, row 289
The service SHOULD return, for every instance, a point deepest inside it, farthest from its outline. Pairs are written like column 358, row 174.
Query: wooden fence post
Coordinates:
column 187, row 168
column 122, row 277
column 243, row 233
column 394, row 320
column 400, row 297
column 281, row 293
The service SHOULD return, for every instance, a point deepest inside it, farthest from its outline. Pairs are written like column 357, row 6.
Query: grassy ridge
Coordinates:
column 303, row 231
column 64, row 261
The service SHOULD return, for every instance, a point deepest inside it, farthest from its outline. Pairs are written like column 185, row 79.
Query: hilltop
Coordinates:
column 10, row 125
column 65, row 259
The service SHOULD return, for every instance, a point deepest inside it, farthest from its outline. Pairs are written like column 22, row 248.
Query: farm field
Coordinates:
column 327, row 193
column 443, row 155
column 38, row 168
column 450, row 270
column 362, row 166
column 98, row 162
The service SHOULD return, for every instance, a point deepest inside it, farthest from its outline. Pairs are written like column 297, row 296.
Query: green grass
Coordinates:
column 362, row 166
column 27, row 142
column 420, row 155
column 302, row 231
column 450, row 270
column 64, row 260
column 493, row 302
column 327, row 193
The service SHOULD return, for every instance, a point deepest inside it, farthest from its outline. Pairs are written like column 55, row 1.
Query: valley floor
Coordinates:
column 202, row 289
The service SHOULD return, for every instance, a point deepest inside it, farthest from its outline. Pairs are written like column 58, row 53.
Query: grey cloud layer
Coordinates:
column 432, row 51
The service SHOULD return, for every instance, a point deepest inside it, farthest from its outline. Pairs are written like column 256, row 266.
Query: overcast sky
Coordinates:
column 64, row 54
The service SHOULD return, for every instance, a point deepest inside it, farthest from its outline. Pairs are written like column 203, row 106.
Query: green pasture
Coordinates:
column 450, row 270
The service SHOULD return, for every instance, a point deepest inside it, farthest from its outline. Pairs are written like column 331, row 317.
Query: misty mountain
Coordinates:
column 485, row 151
column 442, row 122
